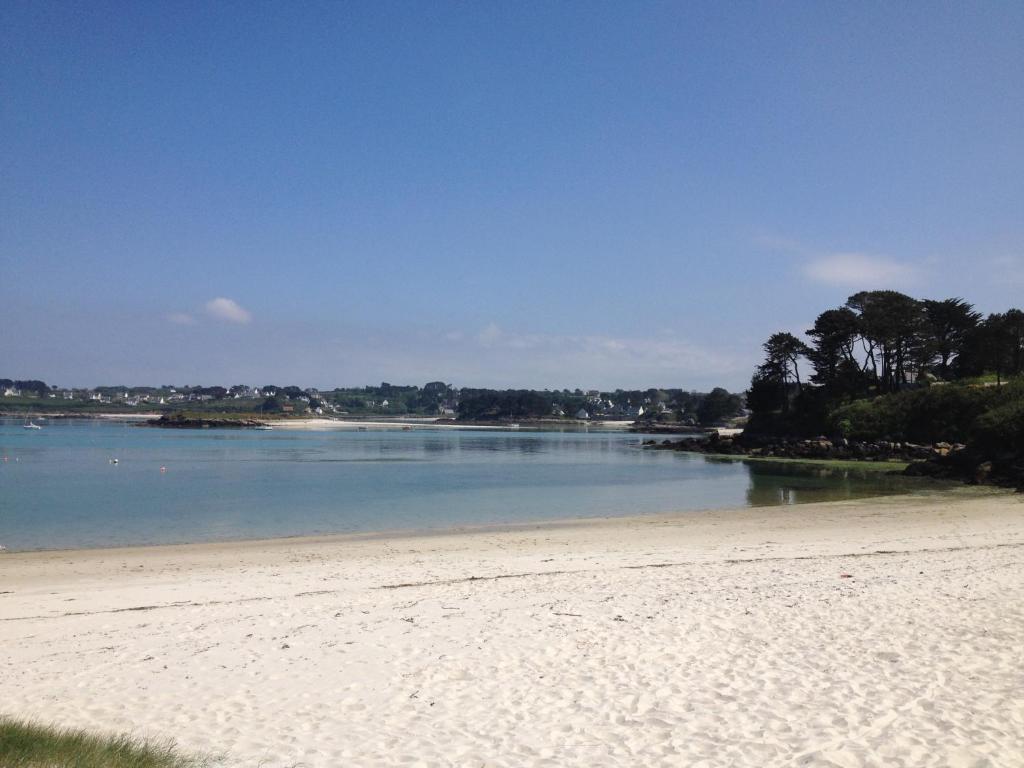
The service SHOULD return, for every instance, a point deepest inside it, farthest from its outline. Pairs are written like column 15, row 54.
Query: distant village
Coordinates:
column 437, row 399
column 285, row 399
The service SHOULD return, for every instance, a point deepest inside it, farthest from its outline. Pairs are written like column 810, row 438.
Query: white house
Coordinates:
column 582, row 414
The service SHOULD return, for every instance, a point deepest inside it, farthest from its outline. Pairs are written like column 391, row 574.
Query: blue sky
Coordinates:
column 493, row 194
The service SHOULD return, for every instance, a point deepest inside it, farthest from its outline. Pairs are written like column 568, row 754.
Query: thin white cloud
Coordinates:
column 656, row 357
column 490, row 335
column 181, row 318
column 849, row 269
column 858, row 270
column 228, row 309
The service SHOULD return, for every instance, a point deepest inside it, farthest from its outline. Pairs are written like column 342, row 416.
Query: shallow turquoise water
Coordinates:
column 58, row 488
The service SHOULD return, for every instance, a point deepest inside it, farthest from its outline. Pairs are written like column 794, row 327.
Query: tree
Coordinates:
column 436, row 388
column 36, row 387
column 717, row 406
column 890, row 327
column 513, row 403
column 431, row 396
column 948, row 323
column 1013, row 322
column 997, row 345
column 782, row 357
column 834, row 338
column 765, row 395
column 781, row 366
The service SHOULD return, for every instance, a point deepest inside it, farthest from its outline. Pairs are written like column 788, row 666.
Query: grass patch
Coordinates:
column 28, row 745
column 867, row 466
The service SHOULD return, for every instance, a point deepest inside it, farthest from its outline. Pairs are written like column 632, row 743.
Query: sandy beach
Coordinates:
column 885, row 632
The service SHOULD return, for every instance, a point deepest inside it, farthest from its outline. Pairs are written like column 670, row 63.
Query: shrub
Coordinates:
column 922, row 415
column 1000, row 431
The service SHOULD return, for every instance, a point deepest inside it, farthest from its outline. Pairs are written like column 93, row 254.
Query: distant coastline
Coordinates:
column 666, row 409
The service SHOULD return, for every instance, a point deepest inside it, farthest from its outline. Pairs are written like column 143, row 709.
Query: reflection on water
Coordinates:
column 786, row 483
column 58, row 487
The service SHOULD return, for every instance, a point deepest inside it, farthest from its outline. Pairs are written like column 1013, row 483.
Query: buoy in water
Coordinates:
column 163, row 469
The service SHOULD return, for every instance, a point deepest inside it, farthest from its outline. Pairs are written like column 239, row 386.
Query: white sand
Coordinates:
column 711, row 639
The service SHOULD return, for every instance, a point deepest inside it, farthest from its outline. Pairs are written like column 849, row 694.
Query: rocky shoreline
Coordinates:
column 948, row 461
column 820, row 448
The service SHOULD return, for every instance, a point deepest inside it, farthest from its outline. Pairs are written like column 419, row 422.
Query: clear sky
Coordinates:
column 494, row 194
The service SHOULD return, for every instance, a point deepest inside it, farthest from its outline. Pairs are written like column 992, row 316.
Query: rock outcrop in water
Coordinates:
column 183, row 421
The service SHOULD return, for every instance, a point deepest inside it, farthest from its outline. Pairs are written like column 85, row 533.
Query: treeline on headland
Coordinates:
column 669, row 407
column 888, row 367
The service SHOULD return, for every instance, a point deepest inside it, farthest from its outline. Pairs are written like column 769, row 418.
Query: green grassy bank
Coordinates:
column 29, row 745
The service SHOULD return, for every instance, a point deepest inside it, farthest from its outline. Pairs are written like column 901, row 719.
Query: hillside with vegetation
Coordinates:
column 886, row 368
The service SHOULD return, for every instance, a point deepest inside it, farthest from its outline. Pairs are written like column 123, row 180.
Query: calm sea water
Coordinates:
column 59, row 489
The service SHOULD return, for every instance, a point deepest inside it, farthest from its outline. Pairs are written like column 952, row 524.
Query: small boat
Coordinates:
column 31, row 425
column 513, row 426
column 264, row 427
